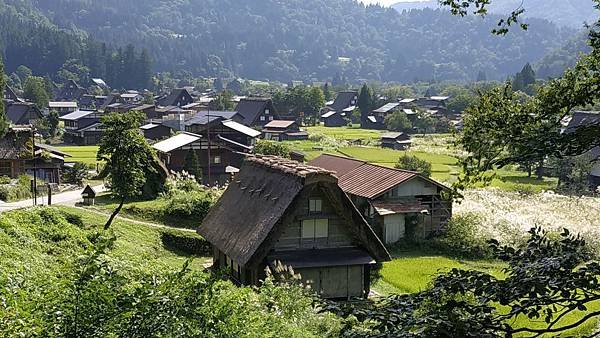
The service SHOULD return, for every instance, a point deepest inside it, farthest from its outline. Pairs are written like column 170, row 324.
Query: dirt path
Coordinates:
column 150, row 224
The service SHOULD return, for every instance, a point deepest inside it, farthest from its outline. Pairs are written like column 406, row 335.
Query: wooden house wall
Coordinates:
column 413, row 187
column 157, row 133
column 291, row 238
column 336, row 281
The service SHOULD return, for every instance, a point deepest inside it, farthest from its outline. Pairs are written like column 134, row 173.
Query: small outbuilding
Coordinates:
column 89, row 195
column 396, row 140
column 282, row 130
column 334, row 119
column 279, row 211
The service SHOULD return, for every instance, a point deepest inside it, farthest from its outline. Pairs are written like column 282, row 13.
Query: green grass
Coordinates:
column 345, row 133
column 83, row 154
column 411, row 272
column 150, row 211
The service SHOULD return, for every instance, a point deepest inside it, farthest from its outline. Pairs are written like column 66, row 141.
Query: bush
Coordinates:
column 189, row 243
column 19, row 191
column 462, row 237
column 4, row 180
column 413, row 163
column 266, row 147
column 76, row 174
column 189, row 204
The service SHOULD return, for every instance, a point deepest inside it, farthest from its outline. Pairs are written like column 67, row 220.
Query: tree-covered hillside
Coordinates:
column 570, row 13
column 306, row 39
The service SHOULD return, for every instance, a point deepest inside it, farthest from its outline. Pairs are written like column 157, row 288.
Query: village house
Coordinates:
column 92, row 102
column 16, row 157
column 228, row 140
column 178, row 97
column 282, row 130
column 82, row 127
column 62, row 107
column 278, row 211
column 585, row 119
column 345, row 101
column 10, row 94
column 21, row 113
column 396, row 140
column 71, row 91
column 256, row 111
column 334, row 119
column 155, row 131
column 132, row 97
column 397, row 203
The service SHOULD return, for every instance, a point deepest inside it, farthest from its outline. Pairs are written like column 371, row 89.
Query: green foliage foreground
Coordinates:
column 61, row 278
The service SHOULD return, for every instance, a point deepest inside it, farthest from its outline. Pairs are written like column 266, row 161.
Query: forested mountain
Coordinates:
column 304, row 39
column 555, row 62
column 571, row 13
column 29, row 38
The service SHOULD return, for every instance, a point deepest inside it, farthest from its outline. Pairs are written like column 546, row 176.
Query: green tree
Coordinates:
column 52, row 120
column 267, row 147
column 528, row 75
column 23, row 72
column 76, row 174
column 35, row 91
column 192, row 165
column 129, row 158
column 365, row 103
column 3, row 119
column 74, row 69
column 326, row 91
column 413, row 163
column 222, row 101
column 552, row 282
column 398, row 121
column 144, row 70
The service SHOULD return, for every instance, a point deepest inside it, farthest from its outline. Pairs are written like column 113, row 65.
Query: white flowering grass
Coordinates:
column 507, row 216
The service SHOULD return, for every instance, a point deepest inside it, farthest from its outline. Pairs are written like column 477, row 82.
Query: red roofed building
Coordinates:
column 397, row 203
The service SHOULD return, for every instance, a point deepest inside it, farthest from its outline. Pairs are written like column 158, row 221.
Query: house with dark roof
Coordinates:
column 396, row 140
column 588, row 119
column 345, row 100
column 282, row 130
column 16, row 157
column 278, row 212
column 82, row 127
column 334, row 119
column 220, row 145
column 92, row 102
column 256, row 111
column 62, row 107
column 71, row 91
column 397, row 203
column 178, row 97
column 155, row 131
column 21, row 113
column 376, row 120
column 10, row 94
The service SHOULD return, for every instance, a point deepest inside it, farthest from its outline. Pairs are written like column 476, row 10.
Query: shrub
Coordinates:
column 76, row 174
column 189, row 204
column 189, row 243
column 462, row 237
column 266, row 147
column 413, row 163
column 18, row 191
column 4, row 180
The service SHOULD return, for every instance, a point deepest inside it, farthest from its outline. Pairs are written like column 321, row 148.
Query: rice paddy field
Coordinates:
column 83, row 154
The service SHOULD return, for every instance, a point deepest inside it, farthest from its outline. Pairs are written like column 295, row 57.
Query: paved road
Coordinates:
column 65, row 198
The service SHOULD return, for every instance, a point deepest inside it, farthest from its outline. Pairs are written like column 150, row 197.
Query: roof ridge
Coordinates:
column 288, row 166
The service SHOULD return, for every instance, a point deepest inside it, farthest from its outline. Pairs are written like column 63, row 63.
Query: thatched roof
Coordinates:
column 246, row 220
column 14, row 144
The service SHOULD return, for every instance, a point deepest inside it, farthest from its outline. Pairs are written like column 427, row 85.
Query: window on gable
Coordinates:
column 217, row 160
column 315, row 228
column 270, row 118
column 315, row 205
column 266, row 112
column 262, row 117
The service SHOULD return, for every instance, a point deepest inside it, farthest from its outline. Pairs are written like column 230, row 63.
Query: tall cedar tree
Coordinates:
column 3, row 118
column 365, row 101
column 528, row 75
column 35, row 91
column 192, row 165
column 127, row 155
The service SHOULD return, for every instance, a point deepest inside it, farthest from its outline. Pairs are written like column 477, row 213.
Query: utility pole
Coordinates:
column 208, row 138
column 34, row 188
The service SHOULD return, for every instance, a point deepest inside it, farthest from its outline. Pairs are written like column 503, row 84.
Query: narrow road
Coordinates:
column 65, row 198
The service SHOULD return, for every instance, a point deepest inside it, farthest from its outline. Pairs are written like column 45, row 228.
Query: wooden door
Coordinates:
column 393, row 228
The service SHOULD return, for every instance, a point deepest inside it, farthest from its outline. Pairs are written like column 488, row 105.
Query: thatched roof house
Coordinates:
column 281, row 210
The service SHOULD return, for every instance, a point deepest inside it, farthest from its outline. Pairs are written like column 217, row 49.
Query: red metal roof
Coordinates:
column 363, row 179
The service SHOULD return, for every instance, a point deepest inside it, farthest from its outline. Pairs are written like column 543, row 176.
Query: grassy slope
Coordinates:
column 31, row 240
